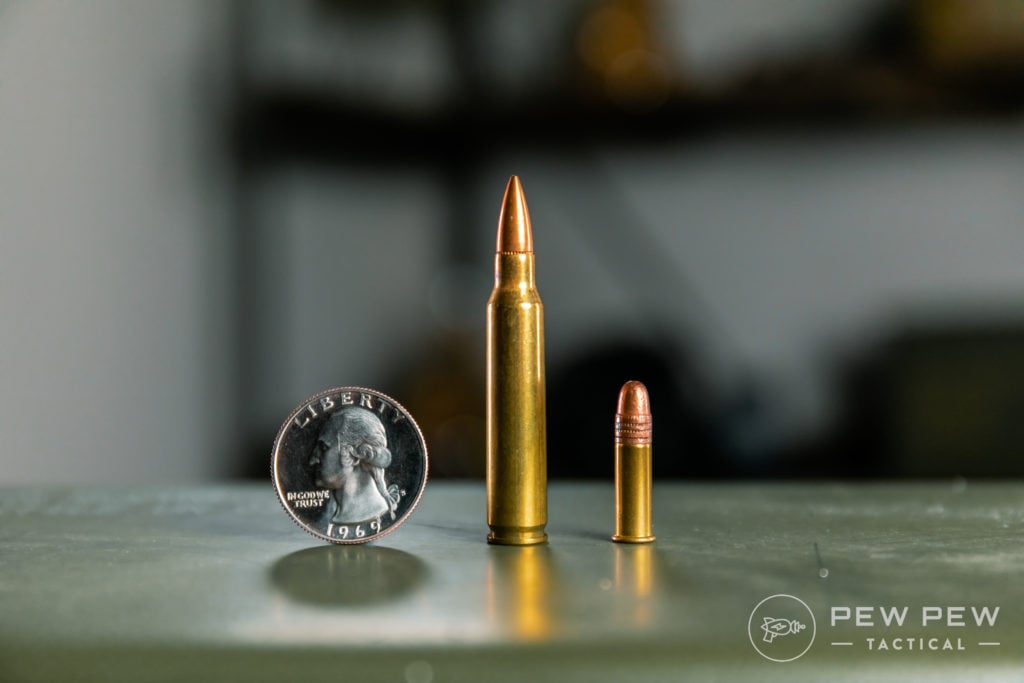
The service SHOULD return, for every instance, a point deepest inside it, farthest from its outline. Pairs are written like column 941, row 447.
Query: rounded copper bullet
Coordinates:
column 633, row 435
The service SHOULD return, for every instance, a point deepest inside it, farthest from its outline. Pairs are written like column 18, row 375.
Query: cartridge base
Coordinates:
column 517, row 536
column 632, row 539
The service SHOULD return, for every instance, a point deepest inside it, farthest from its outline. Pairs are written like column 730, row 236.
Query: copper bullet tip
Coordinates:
column 515, row 234
column 633, row 424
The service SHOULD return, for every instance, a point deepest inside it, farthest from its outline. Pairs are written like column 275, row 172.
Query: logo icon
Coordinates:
column 778, row 628
column 773, row 628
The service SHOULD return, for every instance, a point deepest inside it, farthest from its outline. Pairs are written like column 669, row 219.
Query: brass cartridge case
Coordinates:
column 517, row 505
column 633, row 436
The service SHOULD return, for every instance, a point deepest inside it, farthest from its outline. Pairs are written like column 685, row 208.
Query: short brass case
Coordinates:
column 633, row 493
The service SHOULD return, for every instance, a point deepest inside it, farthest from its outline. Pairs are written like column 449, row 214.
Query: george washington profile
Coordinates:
column 351, row 455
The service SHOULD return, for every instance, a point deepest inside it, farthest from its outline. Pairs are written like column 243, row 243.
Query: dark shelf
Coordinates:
column 295, row 124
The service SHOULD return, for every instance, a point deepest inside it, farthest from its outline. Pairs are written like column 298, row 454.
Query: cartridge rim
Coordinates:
column 632, row 539
column 531, row 537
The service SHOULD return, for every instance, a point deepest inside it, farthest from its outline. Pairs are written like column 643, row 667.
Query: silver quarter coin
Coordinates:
column 349, row 465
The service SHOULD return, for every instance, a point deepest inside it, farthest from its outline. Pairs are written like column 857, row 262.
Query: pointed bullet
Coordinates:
column 515, row 234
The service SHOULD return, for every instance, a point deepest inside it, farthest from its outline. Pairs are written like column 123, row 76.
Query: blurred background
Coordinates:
column 799, row 222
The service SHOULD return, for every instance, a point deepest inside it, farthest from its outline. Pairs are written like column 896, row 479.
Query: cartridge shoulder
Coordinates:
column 513, row 297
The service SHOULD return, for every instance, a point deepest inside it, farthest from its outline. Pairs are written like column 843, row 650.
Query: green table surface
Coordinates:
column 216, row 583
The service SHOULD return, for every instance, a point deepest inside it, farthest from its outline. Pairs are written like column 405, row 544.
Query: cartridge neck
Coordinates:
column 514, row 270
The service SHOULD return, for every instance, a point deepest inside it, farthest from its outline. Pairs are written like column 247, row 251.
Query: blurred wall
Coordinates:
column 805, row 248
column 777, row 251
column 112, row 308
